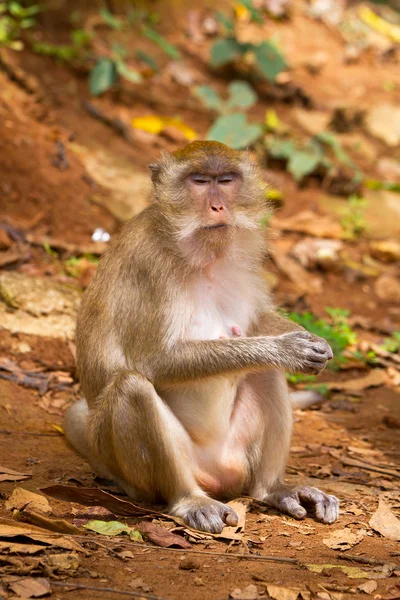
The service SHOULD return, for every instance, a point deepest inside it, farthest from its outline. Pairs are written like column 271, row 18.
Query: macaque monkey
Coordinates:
column 181, row 368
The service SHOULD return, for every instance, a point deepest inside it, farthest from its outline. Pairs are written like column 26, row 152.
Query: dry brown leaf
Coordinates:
column 11, row 475
column 138, row 584
column 236, row 532
column 22, row 499
column 30, row 587
column 250, row 592
column 368, row 587
column 97, row 497
column 160, row 536
column 385, row 522
column 374, row 378
column 343, row 539
column 310, row 223
column 16, row 548
column 278, row 592
column 57, row 525
column 295, row 272
column 12, row 529
column 61, row 563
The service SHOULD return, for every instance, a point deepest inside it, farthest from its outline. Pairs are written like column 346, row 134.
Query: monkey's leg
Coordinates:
column 137, row 436
column 75, row 428
column 271, row 391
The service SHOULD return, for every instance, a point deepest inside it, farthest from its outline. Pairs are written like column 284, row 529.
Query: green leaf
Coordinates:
column 280, row 148
column 114, row 528
column 102, row 76
column 270, row 61
column 147, row 59
column 255, row 14
column 127, row 73
column 375, row 184
column 235, row 131
column 210, row 98
column 302, row 163
column 107, row 527
column 111, row 20
column 225, row 22
column 161, row 42
column 135, row 535
column 225, row 51
column 241, row 95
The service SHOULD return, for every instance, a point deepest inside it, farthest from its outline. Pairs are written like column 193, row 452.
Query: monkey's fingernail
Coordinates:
column 231, row 519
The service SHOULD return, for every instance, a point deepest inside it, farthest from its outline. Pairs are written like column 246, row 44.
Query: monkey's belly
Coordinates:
column 213, row 416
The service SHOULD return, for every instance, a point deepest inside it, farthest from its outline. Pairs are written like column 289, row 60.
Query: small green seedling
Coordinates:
column 337, row 332
column 267, row 59
column 231, row 126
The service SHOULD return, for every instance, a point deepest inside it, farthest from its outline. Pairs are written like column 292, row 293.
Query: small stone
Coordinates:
column 173, row 134
column 388, row 288
column 391, row 422
column 385, row 250
column 316, row 62
column 389, row 169
column 198, row 581
column 189, row 564
column 5, row 241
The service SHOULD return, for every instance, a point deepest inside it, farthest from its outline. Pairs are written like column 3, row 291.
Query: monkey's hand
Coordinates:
column 204, row 513
column 293, row 500
column 303, row 352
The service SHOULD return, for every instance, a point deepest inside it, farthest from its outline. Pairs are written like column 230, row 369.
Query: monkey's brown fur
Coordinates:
column 181, row 366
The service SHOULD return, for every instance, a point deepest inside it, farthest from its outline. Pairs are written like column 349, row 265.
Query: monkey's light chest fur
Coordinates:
column 222, row 303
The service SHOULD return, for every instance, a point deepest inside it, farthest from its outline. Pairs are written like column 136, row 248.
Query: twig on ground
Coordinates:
column 363, row 559
column 292, row 561
column 350, row 462
column 114, row 122
column 107, row 590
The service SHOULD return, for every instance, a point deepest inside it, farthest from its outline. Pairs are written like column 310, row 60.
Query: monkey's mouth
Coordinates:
column 216, row 226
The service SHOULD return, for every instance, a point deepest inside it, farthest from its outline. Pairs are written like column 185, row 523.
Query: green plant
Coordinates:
column 107, row 71
column 353, row 222
column 80, row 43
column 392, row 344
column 266, row 57
column 15, row 18
column 231, row 126
column 337, row 331
column 306, row 157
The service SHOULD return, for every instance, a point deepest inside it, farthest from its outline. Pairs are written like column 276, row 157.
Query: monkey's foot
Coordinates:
column 292, row 501
column 204, row 513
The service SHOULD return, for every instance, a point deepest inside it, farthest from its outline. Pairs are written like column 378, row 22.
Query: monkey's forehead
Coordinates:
column 201, row 150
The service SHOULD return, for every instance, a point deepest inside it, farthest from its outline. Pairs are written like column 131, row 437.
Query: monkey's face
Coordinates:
column 210, row 192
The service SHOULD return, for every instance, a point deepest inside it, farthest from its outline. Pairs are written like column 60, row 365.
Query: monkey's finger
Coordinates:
column 292, row 506
column 231, row 518
column 331, row 509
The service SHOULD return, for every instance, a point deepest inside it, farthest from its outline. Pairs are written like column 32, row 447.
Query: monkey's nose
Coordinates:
column 218, row 207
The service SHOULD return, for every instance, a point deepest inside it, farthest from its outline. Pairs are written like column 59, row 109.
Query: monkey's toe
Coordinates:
column 205, row 514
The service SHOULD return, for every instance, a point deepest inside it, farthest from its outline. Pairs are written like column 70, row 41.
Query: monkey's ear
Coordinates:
column 155, row 169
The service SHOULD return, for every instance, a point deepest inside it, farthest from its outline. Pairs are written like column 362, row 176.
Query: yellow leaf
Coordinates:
column 274, row 194
column 155, row 124
column 241, row 12
column 389, row 30
column 57, row 428
column 272, row 120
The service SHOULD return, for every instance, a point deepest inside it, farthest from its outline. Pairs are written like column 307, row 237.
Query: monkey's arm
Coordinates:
column 272, row 323
column 295, row 351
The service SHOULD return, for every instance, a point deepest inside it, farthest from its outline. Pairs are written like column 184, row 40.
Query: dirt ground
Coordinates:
column 63, row 174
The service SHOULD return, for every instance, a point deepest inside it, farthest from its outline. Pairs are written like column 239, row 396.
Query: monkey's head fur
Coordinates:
column 209, row 194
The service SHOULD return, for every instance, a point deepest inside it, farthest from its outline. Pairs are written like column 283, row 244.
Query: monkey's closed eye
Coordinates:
column 226, row 178
column 199, row 178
